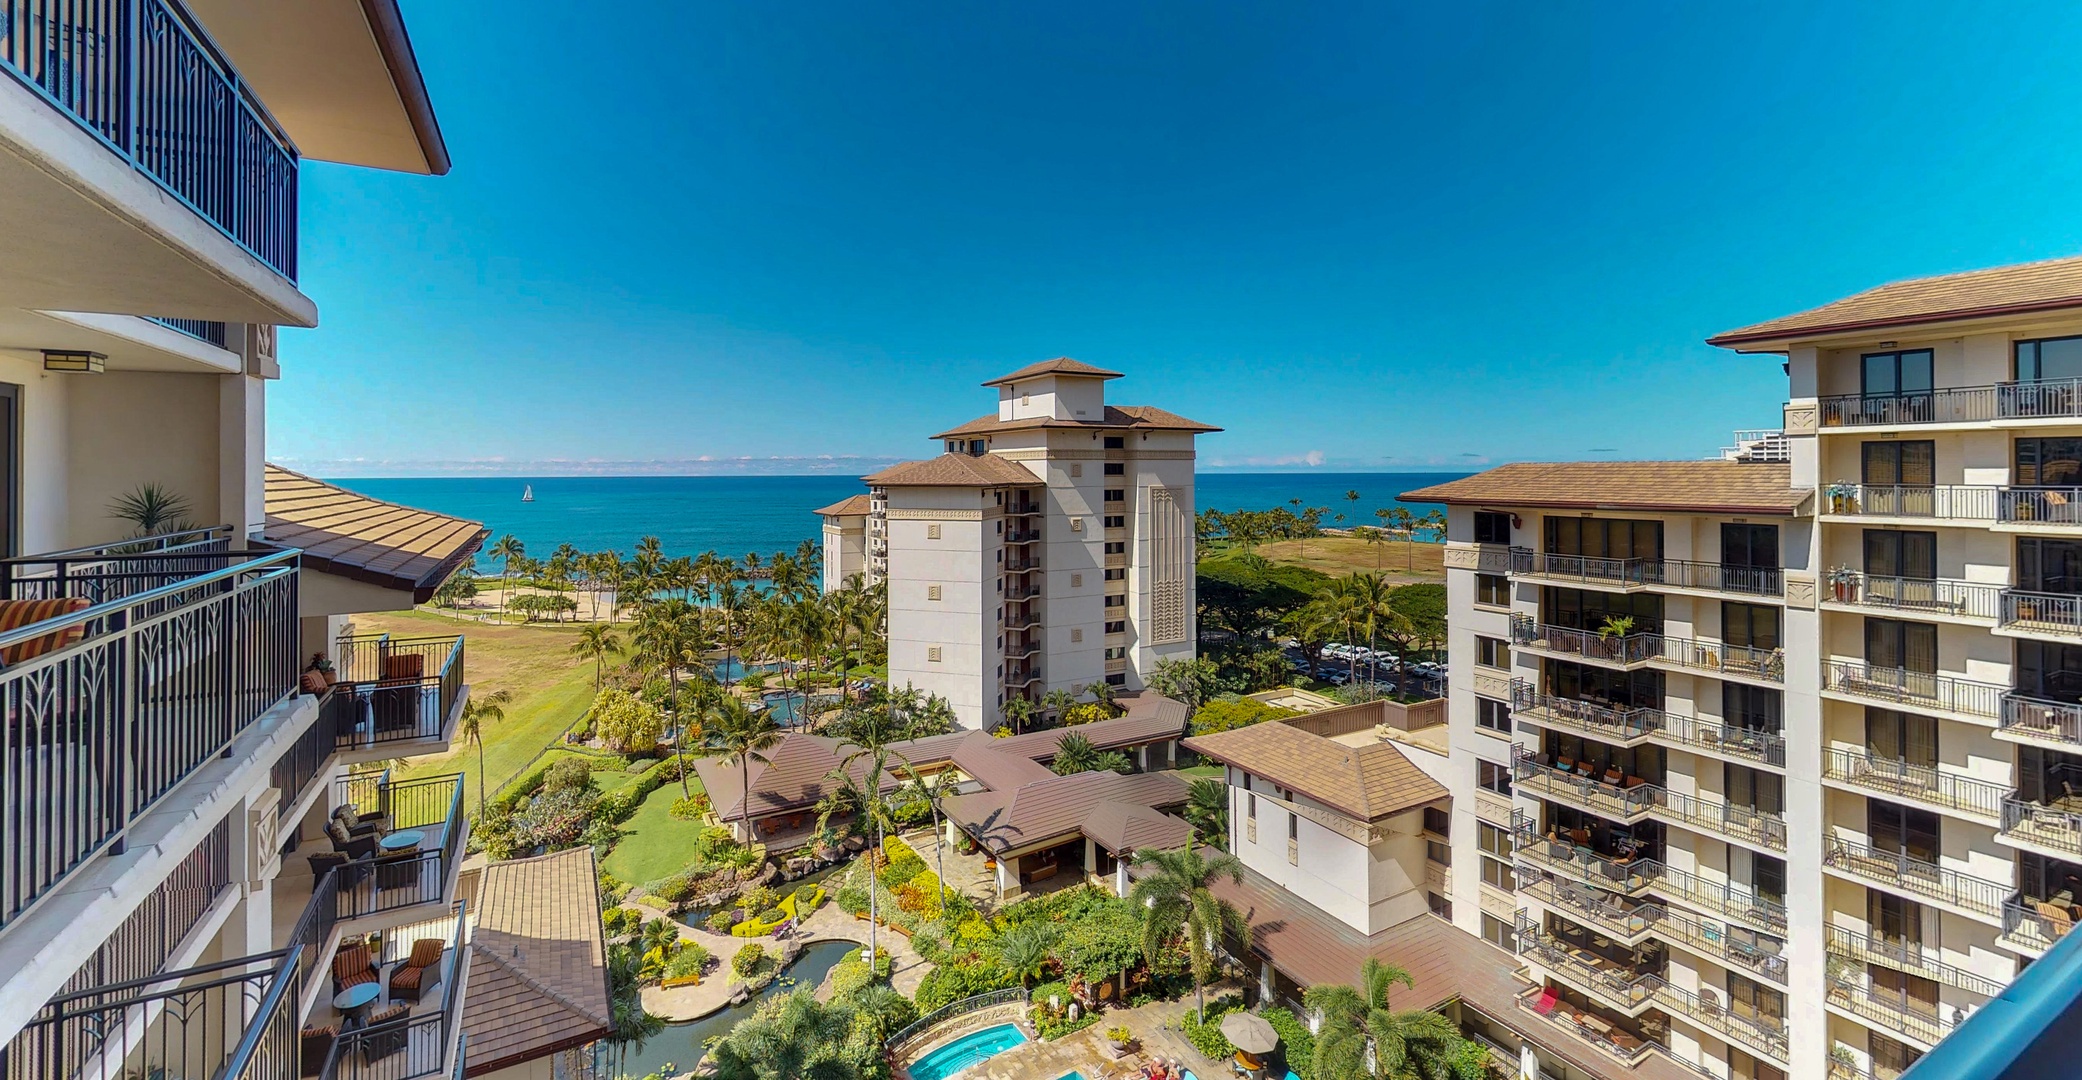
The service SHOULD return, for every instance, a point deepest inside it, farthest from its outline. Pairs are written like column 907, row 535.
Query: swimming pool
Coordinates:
column 968, row 1050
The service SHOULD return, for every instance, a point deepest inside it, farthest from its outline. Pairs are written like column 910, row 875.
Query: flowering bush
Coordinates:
column 747, row 960
column 691, row 808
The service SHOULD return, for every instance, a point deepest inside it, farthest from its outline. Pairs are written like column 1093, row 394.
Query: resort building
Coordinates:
column 1772, row 765
column 206, row 874
column 1049, row 547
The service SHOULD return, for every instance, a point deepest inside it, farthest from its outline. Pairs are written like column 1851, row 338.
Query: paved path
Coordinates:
column 1156, row 1029
column 828, row 923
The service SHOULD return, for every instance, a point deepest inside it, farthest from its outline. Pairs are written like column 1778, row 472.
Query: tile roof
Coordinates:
column 850, row 506
column 1056, row 808
column 954, row 470
column 1127, row 417
column 1446, row 963
column 996, row 768
column 1735, row 487
column 1365, row 782
column 2003, row 290
column 1061, row 365
column 355, row 536
column 538, row 961
column 1124, row 826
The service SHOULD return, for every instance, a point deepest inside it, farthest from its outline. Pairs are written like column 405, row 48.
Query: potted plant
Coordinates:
column 1843, row 583
column 1121, row 1038
column 1843, row 1060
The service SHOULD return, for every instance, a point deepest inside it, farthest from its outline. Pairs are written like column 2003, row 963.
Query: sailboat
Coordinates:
column 527, row 493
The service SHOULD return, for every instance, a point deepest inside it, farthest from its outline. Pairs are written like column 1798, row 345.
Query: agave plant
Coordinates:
column 153, row 508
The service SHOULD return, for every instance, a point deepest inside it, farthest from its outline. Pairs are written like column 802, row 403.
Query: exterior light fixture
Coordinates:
column 72, row 360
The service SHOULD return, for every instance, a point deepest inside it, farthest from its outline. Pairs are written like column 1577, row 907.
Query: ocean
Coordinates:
column 733, row 515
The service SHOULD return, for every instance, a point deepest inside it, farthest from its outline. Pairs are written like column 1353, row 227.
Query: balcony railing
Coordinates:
column 1957, row 405
column 1933, row 596
column 159, row 682
column 1901, row 1013
column 213, row 333
column 143, row 77
column 1618, row 802
column 1670, row 573
column 149, row 936
column 230, row 1020
column 1899, row 872
column 1724, row 898
column 2040, row 505
column 1760, row 1035
column 1589, row 644
column 1588, row 906
column 1923, row 689
column 1606, row 1038
column 1614, row 985
column 1913, row 957
column 2035, row 922
column 1901, row 780
column 396, row 689
column 1734, row 740
column 2042, row 613
column 1613, row 871
column 410, row 1046
column 1609, row 722
column 1718, row 942
column 2039, row 718
column 2047, row 826
column 432, row 806
column 1017, row 621
column 1726, row 819
column 1692, row 654
column 1954, row 502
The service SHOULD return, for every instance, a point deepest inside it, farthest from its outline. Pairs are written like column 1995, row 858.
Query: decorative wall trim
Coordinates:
column 1802, row 416
column 1496, row 903
column 1485, row 558
column 1493, row 808
column 934, row 515
column 1800, row 590
column 1493, row 686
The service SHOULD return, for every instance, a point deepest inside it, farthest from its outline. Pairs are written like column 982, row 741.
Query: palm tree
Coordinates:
column 1178, row 895
column 1207, row 808
column 480, row 710
column 934, row 790
column 1025, row 950
column 1017, row 712
column 594, row 642
column 1075, row 754
column 1101, row 692
column 1362, row 1037
column 792, row 1038
column 870, row 733
column 1433, row 521
column 1399, row 519
column 739, row 736
column 509, row 550
column 1058, row 701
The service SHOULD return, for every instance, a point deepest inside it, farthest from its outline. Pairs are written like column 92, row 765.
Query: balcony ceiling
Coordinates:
column 130, row 343
column 340, row 77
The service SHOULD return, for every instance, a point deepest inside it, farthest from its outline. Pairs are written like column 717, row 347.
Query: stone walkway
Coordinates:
column 828, row 923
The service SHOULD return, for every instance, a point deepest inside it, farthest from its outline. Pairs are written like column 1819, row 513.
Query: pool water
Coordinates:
column 680, row 1046
column 976, row 1046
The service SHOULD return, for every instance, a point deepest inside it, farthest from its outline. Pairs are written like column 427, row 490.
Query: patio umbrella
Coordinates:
column 1250, row 1034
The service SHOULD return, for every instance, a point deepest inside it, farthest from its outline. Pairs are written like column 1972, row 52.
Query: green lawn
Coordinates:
column 655, row 844
column 1214, row 771
column 551, row 691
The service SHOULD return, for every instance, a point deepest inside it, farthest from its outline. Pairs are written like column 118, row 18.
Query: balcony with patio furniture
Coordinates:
column 1601, row 786
column 2045, row 811
column 1765, row 1036
column 1625, row 921
column 1590, row 852
column 1619, row 977
column 1751, row 745
column 1606, row 649
column 1617, row 724
column 1734, row 947
column 1970, row 405
column 1917, row 878
column 1962, row 504
column 397, row 696
column 1923, row 691
column 1866, row 994
column 1906, row 955
column 1624, row 1039
column 1732, row 821
column 1972, row 602
column 1928, row 785
column 1725, row 899
column 393, row 847
column 2047, row 718
column 2040, row 614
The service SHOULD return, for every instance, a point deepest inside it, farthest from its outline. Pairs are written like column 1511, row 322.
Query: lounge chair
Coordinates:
column 353, row 966
column 419, row 972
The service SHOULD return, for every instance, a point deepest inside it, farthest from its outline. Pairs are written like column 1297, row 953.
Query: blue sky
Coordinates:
column 793, row 238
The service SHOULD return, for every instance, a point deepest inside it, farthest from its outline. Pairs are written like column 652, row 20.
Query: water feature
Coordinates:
column 970, row 1049
column 698, row 916
column 681, row 1044
column 734, row 669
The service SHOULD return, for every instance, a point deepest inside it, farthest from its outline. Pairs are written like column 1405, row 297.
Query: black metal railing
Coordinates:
column 1615, row 871
column 1671, row 573
column 1957, row 405
column 1715, row 940
column 2036, row 922
column 306, row 759
column 1603, row 1036
column 234, row 1020
column 1734, row 740
column 1614, row 984
column 1588, row 906
column 1766, row 1035
column 410, row 1046
column 1611, row 722
column 1917, row 688
column 1964, row 502
column 1925, row 783
column 143, row 77
column 101, row 573
column 393, row 689
column 146, row 939
column 1724, row 898
column 158, row 683
column 944, row 1013
column 2048, row 826
column 2040, row 718
column 1903, row 954
column 1902, row 872
column 2046, row 613
column 1894, row 1010
column 1616, row 801
column 213, row 333
column 1636, row 648
column 1921, row 595
column 2042, row 505
column 1724, row 577
column 1759, row 827
column 408, row 876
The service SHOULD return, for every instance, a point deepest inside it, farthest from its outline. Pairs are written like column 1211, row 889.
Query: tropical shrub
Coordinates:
column 853, row 899
column 568, row 774
column 690, row 960
column 901, row 870
column 1086, row 713
column 672, row 890
column 771, row 916
column 619, row 922
column 692, row 807
column 953, row 982
column 627, row 723
column 747, row 960
column 1208, row 1037
column 1295, row 1041
column 721, row 921
column 808, row 894
column 1228, row 715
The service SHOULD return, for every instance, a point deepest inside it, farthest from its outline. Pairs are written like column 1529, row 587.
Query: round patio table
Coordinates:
column 401, row 840
column 356, row 999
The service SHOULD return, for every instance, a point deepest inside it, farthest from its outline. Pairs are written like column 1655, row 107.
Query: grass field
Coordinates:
column 551, row 690
column 655, row 844
column 1401, row 562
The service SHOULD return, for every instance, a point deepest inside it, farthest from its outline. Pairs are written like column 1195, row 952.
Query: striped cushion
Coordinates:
column 16, row 614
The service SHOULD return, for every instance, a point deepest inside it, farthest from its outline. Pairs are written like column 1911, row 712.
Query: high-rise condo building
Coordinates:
column 1050, row 546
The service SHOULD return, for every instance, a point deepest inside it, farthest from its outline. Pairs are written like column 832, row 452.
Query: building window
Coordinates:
column 1117, row 627
column 1910, row 646
column 1250, row 799
column 1120, row 679
column 1116, row 442
column 1491, row 776
column 1118, row 652
column 2049, row 358
column 1116, row 547
column 1118, row 573
column 1115, row 468
column 1438, row 821
column 1751, row 708
column 1498, row 875
column 1493, row 839
column 1493, row 716
column 1293, row 825
column 1116, row 601
column 1767, row 877
column 1116, row 521
column 1493, row 590
column 1896, row 553
column 1753, row 626
column 1492, row 527
column 1604, row 538
column 1116, row 494
column 1892, row 374
column 1497, row 932
column 1492, row 652
column 1910, row 462
column 1440, row 906
column 1438, row 852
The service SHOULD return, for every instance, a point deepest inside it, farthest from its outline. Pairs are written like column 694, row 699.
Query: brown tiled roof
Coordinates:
column 1732, row 487
column 355, row 536
column 1125, row 417
column 1365, row 782
column 538, row 961
column 1061, row 365
column 1124, row 826
column 2003, row 290
column 1055, row 808
column 793, row 777
column 851, row 506
column 1446, row 963
column 954, row 470
column 994, row 766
